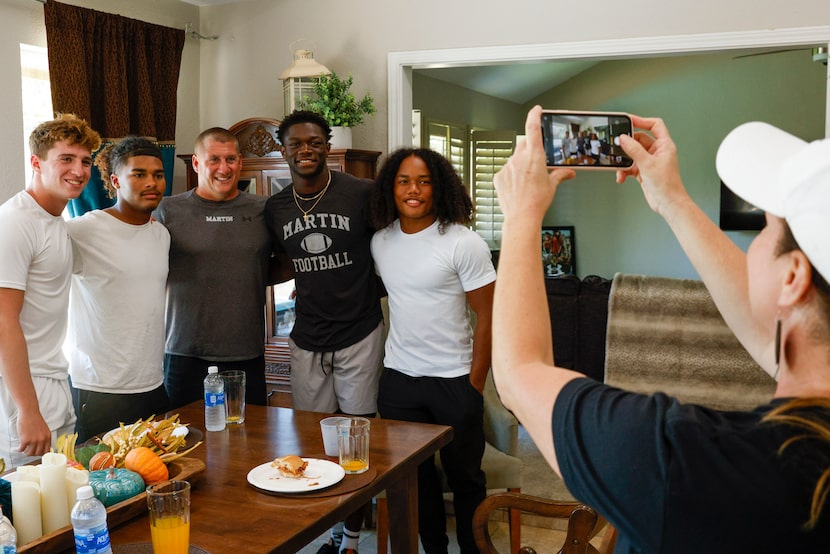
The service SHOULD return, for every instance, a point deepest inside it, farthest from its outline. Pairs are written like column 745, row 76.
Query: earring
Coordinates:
column 777, row 348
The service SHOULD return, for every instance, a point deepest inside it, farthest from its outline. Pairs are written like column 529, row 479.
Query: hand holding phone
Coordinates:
column 585, row 140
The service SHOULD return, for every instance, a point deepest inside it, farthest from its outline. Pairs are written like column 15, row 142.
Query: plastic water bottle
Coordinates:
column 8, row 536
column 214, row 400
column 89, row 523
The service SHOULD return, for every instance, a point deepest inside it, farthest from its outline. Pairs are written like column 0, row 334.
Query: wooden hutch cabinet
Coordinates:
column 265, row 172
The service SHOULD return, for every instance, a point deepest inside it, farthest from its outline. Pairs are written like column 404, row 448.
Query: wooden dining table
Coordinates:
column 227, row 514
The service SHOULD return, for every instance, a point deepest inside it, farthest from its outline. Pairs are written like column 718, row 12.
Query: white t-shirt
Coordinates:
column 568, row 146
column 115, row 341
column 427, row 275
column 36, row 257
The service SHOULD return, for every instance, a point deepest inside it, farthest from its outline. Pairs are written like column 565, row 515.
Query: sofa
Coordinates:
column 579, row 314
column 647, row 333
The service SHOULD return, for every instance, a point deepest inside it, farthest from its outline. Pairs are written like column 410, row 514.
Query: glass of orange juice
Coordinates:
column 169, row 503
column 353, row 444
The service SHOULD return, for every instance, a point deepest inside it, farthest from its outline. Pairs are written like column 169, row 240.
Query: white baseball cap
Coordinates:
column 785, row 176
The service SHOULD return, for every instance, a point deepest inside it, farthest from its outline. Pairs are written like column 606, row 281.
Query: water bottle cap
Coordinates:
column 213, row 369
column 84, row 492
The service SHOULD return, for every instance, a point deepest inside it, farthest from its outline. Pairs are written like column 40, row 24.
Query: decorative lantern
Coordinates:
column 298, row 80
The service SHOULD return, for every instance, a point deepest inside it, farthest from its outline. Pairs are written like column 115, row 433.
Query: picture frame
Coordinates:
column 558, row 251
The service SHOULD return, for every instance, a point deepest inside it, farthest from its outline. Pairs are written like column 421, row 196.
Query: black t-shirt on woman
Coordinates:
column 680, row 478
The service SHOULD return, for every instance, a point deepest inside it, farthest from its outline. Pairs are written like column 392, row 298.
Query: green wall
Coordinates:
column 450, row 103
column 700, row 97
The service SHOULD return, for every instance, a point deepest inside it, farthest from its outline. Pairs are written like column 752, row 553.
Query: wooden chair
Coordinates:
column 583, row 523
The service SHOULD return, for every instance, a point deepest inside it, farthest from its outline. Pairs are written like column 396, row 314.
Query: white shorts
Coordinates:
column 55, row 400
column 345, row 380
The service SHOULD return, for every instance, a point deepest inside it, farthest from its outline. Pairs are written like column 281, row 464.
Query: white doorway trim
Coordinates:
column 401, row 64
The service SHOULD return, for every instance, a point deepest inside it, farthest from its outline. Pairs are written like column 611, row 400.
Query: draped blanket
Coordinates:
column 667, row 335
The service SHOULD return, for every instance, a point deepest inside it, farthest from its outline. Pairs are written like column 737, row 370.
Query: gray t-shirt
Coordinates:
column 219, row 257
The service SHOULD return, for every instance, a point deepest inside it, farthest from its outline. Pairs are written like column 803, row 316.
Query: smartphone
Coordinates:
column 585, row 140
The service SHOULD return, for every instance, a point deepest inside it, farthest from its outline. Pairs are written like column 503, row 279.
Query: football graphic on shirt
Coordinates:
column 315, row 243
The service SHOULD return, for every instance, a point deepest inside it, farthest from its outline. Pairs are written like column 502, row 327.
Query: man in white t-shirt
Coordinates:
column 115, row 342
column 434, row 267
column 35, row 270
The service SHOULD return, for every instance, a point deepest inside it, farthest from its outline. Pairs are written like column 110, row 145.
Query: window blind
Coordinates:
column 490, row 151
column 451, row 141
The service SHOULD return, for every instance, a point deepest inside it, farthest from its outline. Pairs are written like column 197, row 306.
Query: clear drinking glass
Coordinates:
column 353, row 444
column 234, row 396
column 169, row 503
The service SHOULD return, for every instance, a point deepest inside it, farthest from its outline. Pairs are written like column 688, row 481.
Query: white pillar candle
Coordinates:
column 26, row 511
column 28, row 473
column 75, row 479
column 53, row 511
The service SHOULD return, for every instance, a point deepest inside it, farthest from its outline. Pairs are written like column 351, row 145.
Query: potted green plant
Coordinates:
column 333, row 100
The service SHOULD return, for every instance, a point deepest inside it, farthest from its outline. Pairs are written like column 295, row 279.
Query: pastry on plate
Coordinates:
column 290, row 466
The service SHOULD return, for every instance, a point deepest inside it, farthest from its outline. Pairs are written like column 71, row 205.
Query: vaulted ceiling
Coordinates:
column 515, row 82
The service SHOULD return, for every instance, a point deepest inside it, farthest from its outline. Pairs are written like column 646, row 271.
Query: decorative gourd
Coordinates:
column 114, row 485
column 146, row 463
column 85, row 453
column 101, row 460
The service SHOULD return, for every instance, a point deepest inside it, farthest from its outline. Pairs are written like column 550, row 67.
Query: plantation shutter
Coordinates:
column 451, row 141
column 490, row 151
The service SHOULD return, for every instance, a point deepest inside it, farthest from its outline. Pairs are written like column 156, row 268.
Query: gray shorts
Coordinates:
column 345, row 380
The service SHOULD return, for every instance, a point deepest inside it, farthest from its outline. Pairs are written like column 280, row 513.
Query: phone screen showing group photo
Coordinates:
column 585, row 139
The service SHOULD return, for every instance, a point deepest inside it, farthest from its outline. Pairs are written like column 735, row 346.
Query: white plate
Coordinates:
column 319, row 474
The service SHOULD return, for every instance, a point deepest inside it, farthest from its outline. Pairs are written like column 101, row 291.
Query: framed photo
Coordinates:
column 558, row 251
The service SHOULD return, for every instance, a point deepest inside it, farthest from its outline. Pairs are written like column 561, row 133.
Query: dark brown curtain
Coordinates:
column 119, row 74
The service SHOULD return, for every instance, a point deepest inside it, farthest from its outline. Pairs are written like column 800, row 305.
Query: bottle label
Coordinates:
column 92, row 541
column 9, row 550
column 214, row 399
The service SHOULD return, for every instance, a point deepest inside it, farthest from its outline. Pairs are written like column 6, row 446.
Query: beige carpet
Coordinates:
column 538, row 479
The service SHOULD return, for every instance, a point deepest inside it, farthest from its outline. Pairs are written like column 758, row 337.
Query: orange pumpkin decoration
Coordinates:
column 146, row 463
column 102, row 460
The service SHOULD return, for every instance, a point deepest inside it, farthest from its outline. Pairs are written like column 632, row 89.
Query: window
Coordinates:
column 451, row 141
column 37, row 95
column 490, row 151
